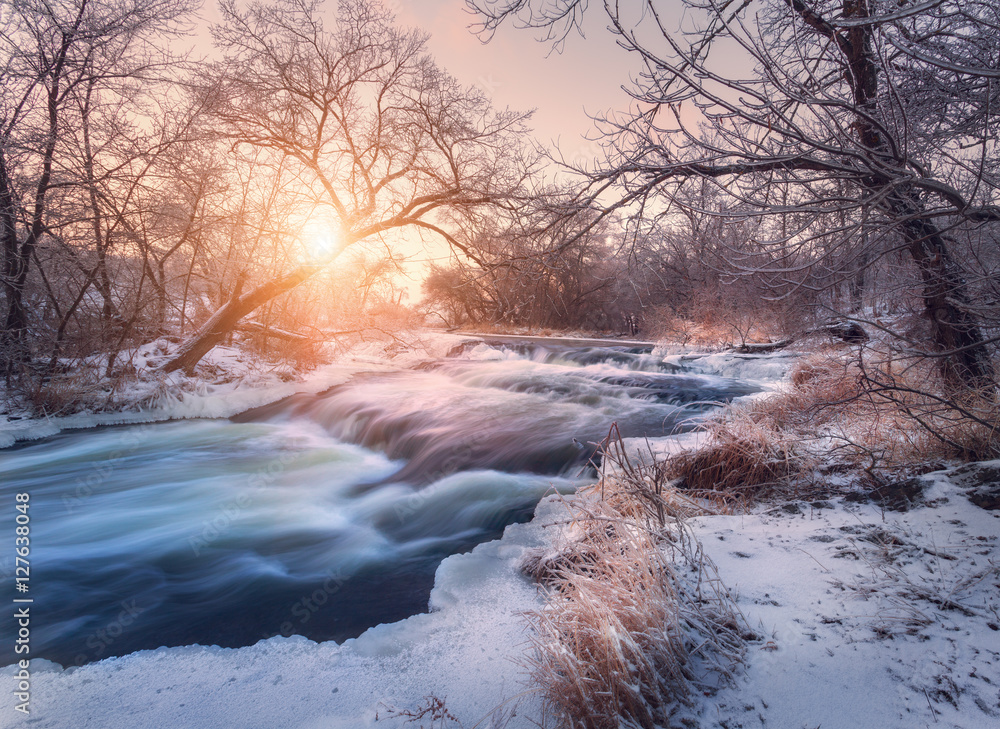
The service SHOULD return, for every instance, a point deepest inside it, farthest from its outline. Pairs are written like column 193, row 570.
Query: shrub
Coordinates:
column 635, row 617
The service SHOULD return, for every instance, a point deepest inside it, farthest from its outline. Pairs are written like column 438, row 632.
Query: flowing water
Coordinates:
column 319, row 515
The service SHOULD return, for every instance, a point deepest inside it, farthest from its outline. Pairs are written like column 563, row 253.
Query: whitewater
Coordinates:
column 306, row 554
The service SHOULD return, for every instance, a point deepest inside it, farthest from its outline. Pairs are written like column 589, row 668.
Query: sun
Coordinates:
column 323, row 245
column 320, row 241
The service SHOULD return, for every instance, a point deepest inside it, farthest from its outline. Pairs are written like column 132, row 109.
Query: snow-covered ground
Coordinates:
column 867, row 617
column 226, row 382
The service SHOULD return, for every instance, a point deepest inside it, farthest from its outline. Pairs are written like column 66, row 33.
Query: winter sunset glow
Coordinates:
column 518, row 364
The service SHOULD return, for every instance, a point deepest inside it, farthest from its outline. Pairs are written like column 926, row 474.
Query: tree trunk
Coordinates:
column 15, row 270
column 225, row 319
column 160, row 284
column 965, row 363
column 16, row 323
column 102, row 243
column 856, row 284
column 9, row 339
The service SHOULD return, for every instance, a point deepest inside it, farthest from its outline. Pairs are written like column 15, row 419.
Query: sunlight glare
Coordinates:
column 320, row 242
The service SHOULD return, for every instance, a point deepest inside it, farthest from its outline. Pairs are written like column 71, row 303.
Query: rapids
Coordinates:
column 319, row 515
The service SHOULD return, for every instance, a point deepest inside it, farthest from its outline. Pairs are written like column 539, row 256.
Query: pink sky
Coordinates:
column 520, row 72
column 516, row 69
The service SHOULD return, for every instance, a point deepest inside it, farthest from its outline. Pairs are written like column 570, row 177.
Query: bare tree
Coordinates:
column 62, row 61
column 538, row 266
column 869, row 125
column 378, row 136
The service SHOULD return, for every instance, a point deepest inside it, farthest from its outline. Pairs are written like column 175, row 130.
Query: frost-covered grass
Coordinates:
column 836, row 424
column 613, row 644
column 635, row 620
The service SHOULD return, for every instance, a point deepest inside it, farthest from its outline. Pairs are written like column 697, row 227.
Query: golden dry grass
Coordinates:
column 609, row 642
column 871, row 416
column 743, row 458
column 635, row 616
column 891, row 412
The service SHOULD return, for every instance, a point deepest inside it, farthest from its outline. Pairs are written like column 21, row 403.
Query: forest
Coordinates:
column 322, row 368
column 780, row 173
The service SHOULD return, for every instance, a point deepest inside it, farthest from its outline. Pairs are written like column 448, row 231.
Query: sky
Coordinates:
column 517, row 70
column 523, row 73
column 565, row 88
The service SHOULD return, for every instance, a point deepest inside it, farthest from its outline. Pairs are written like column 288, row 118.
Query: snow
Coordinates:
column 227, row 383
column 867, row 617
column 833, row 588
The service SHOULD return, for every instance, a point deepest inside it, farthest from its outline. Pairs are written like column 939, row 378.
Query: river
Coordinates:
column 324, row 514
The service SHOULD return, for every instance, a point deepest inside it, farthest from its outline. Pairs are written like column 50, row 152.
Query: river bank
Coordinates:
column 861, row 615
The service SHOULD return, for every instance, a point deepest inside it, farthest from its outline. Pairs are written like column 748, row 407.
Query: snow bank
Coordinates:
column 192, row 399
column 843, row 597
column 227, row 383
column 465, row 651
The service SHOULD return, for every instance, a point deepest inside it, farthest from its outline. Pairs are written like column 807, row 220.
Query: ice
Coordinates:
column 466, row 651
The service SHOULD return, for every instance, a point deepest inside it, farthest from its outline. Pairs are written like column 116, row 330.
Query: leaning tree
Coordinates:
column 866, row 126
column 380, row 138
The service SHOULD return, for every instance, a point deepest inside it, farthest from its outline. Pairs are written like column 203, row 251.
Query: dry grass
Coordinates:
column 951, row 425
column 893, row 413
column 72, row 389
column 636, row 618
column 825, row 379
column 431, row 713
column 644, row 487
column 609, row 644
column 870, row 418
column 744, row 458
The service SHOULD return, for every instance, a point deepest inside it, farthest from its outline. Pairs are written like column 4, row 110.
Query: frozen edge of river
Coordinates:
column 828, row 600
column 465, row 651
